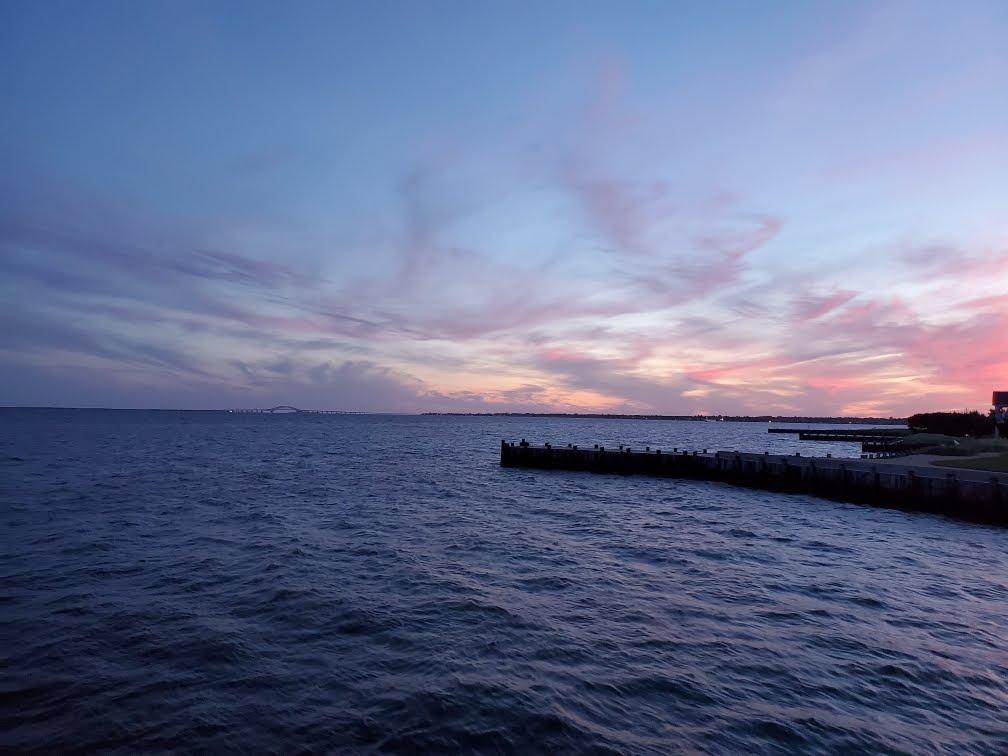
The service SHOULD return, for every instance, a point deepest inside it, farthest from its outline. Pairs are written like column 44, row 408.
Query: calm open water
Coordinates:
column 207, row 581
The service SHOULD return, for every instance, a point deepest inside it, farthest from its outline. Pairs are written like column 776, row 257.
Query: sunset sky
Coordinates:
column 794, row 208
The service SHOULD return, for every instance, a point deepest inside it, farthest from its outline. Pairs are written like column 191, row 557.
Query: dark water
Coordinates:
column 213, row 582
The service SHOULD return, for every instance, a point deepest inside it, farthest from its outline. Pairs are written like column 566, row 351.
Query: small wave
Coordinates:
column 868, row 601
column 546, row 583
column 661, row 686
column 741, row 533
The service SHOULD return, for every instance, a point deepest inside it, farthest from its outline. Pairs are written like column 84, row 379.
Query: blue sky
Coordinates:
column 706, row 207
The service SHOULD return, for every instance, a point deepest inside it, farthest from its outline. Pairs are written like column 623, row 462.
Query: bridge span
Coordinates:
column 287, row 409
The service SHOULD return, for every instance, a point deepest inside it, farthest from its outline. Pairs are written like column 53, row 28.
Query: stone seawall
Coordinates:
column 967, row 494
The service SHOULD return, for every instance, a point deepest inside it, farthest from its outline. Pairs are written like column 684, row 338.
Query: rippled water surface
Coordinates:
column 209, row 581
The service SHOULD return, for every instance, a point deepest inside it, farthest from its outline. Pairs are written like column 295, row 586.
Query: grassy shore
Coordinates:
column 963, row 453
column 992, row 463
column 950, row 446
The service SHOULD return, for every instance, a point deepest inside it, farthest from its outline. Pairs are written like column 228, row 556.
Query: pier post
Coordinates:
column 951, row 486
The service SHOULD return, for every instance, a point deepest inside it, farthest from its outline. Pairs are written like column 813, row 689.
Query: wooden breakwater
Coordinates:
column 968, row 494
column 871, row 435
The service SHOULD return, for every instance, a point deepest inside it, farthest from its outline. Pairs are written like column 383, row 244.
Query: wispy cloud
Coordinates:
column 652, row 227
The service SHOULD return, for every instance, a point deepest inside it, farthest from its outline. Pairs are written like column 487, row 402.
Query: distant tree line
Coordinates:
column 953, row 423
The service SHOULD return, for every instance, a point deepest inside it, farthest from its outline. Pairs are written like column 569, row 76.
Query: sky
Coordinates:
column 679, row 208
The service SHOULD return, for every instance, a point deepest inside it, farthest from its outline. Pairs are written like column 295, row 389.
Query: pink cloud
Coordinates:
column 811, row 307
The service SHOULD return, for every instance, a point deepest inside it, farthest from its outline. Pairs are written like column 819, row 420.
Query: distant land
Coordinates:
column 696, row 418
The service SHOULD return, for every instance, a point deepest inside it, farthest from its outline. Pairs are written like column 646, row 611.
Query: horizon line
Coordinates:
column 461, row 413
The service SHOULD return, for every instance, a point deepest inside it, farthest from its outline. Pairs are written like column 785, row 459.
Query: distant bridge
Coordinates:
column 287, row 409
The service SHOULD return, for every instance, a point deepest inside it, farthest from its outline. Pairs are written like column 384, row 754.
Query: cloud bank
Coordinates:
column 733, row 235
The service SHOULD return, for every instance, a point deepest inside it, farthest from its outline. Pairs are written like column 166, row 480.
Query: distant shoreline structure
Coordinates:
column 287, row 409
column 693, row 418
column 796, row 419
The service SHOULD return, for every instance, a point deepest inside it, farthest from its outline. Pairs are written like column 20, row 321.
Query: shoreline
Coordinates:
column 821, row 420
